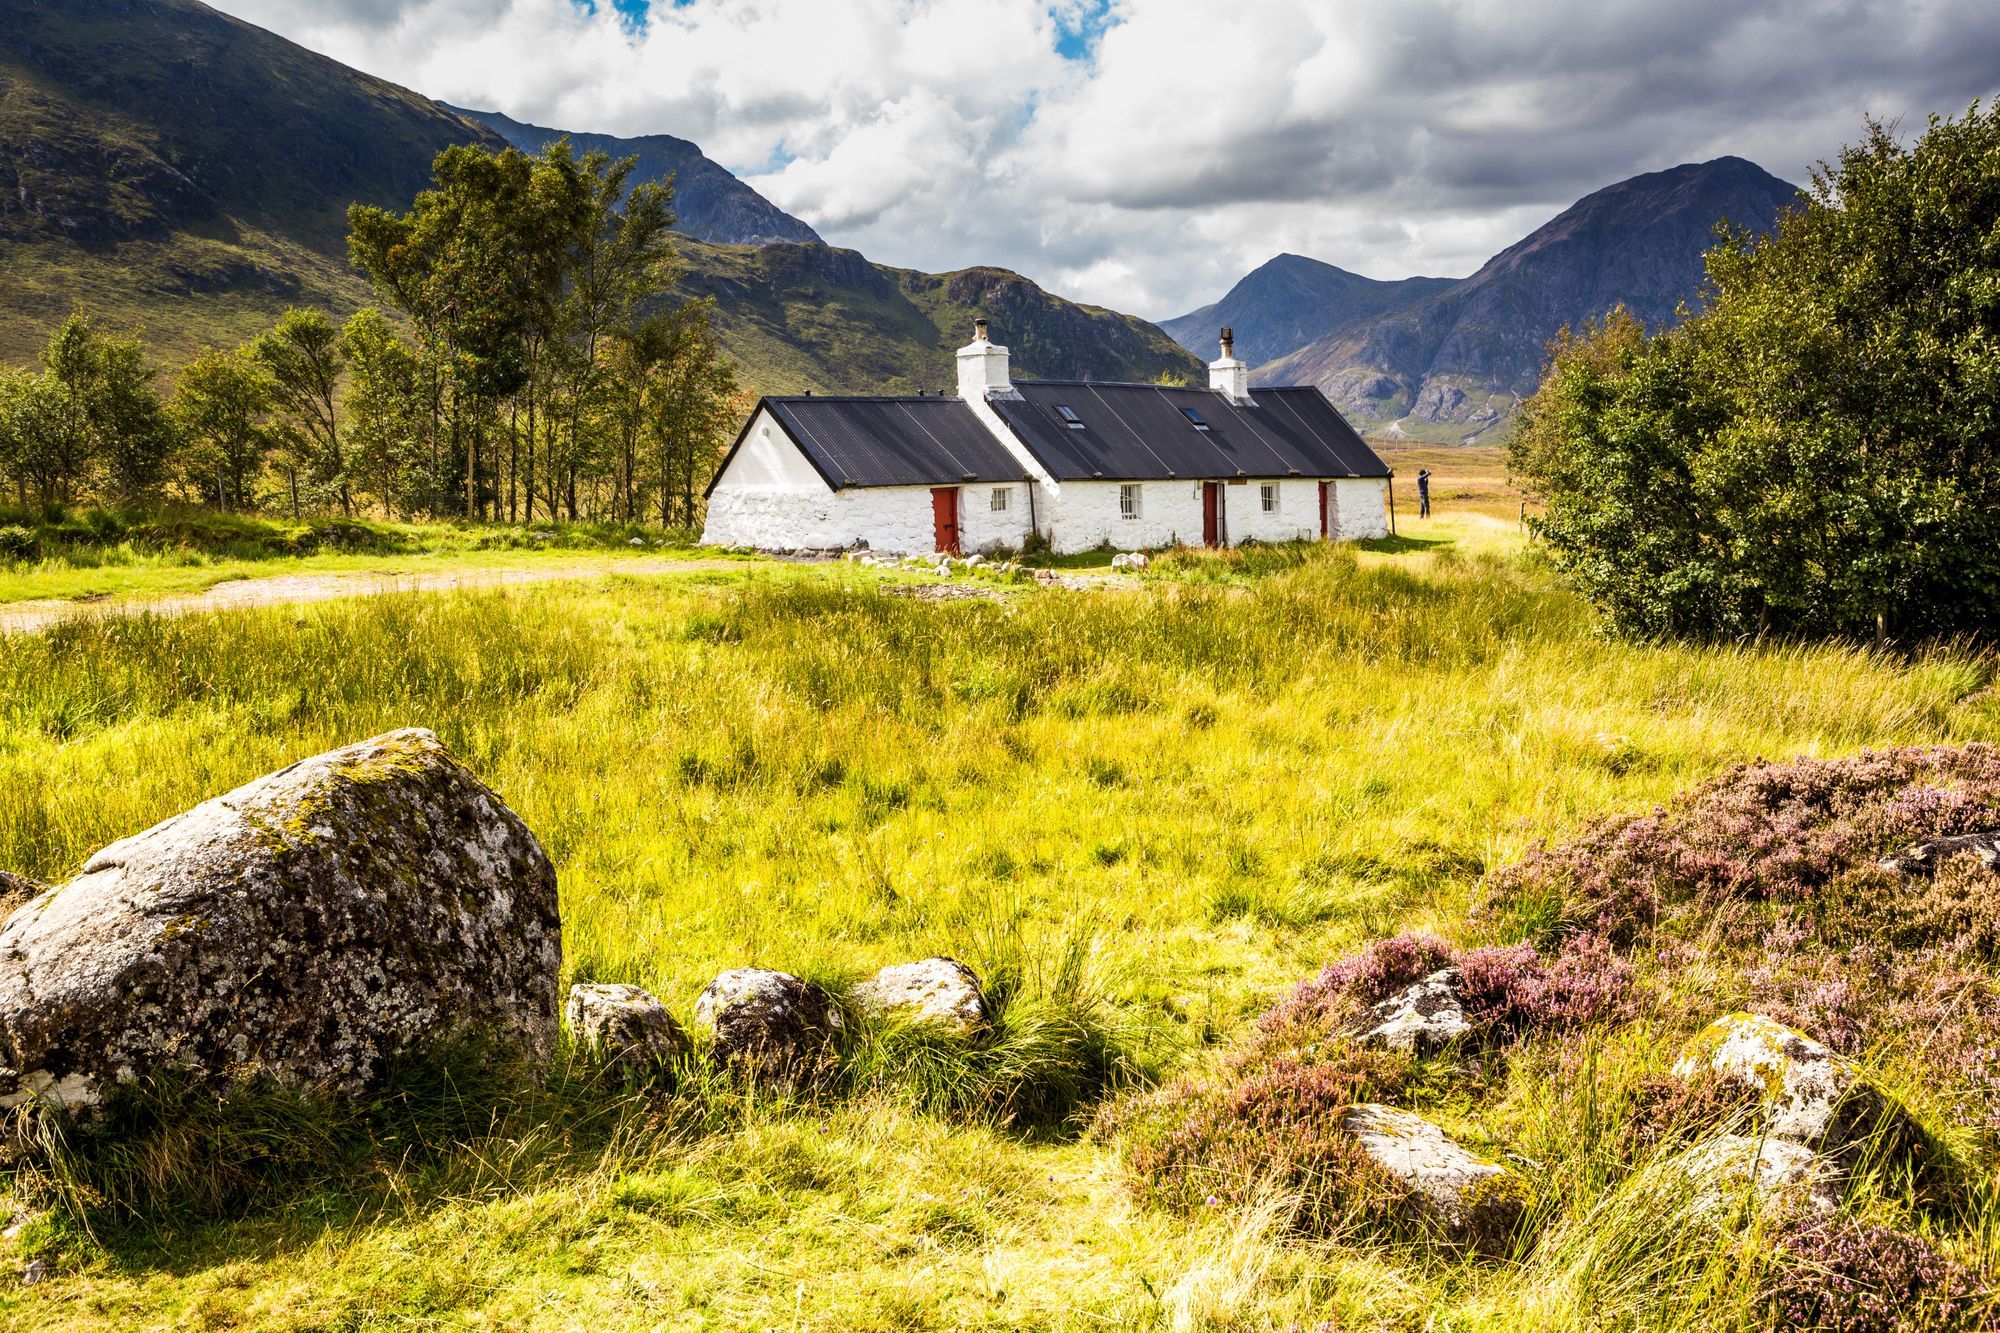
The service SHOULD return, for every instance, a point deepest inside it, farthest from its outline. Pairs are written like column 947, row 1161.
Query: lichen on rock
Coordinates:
column 1422, row 1018
column 1810, row 1095
column 941, row 994
column 1473, row 1201
column 309, row 926
column 770, row 1025
column 624, row 1027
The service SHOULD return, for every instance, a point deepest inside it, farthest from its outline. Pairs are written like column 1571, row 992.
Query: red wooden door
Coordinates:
column 944, row 518
column 1322, row 508
column 1211, row 513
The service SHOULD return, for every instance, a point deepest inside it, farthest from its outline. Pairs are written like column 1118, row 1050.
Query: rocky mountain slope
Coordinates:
column 709, row 203
column 1454, row 365
column 185, row 173
column 1290, row 301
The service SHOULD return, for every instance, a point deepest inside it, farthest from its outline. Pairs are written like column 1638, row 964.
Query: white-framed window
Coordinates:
column 1002, row 497
column 1268, row 493
column 1128, row 500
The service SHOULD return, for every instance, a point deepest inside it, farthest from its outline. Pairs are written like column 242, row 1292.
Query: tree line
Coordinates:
column 1816, row 451
column 523, row 365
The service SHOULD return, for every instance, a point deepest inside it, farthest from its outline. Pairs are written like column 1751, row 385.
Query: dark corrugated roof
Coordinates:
column 1138, row 431
column 894, row 441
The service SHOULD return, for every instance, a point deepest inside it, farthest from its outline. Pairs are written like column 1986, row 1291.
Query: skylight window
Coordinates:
column 1069, row 416
column 1194, row 418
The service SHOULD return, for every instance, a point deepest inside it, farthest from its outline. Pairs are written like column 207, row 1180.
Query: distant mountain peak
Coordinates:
column 1290, row 300
column 1456, row 363
column 710, row 204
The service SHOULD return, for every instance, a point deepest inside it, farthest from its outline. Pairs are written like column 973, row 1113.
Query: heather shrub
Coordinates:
column 1216, row 1144
column 1510, row 990
column 1759, row 833
column 1839, row 1275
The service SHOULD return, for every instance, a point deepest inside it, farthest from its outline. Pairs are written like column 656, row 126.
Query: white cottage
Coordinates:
column 1081, row 463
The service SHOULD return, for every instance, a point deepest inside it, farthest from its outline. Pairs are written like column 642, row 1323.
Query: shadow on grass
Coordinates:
column 1402, row 545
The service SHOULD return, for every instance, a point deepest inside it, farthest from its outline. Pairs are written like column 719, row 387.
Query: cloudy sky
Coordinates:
column 1145, row 153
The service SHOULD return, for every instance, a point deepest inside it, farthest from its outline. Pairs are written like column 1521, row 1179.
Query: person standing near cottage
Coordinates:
column 1423, row 492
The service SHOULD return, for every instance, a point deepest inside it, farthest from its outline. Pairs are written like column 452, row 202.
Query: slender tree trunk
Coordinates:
column 472, row 475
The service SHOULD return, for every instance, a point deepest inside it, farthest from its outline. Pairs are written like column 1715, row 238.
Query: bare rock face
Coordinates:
column 938, row 993
column 1472, row 1200
column 1422, row 1018
column 1811, row 1096
column 309, row 926
column 624, row 1027
column 1778, row 1175
column 1923, row 858
column 770, row 1024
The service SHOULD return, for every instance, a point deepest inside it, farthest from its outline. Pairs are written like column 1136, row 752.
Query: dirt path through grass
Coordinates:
column 283, row 589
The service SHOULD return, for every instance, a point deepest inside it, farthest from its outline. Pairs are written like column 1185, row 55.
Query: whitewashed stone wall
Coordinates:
column 1085, row 514
column 980, row 529
column 1297, row 516
column 1359, row 508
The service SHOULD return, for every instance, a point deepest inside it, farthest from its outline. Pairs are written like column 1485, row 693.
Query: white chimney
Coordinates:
column 982, row 368
column 1229, row 377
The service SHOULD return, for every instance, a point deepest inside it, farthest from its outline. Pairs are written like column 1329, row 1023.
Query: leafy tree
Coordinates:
column 222, row 405
column 303, row 358
column 386, row 408
column 1817, row 451
column 89, row 419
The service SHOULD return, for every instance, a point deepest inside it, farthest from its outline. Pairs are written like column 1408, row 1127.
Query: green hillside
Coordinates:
column 814, row 317
column 180, row 170
column 187, row 175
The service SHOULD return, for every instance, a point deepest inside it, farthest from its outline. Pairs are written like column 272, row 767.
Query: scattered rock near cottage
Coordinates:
column 1423, row 1018
column 624, row 1027
column 938, row 993
column 770, row 1024
column 1782, row 1176
column 1130, row 560
column 1923, row 858
column 1472, row 1200
column 16, row 892
column 1811, row 1096
column 309, row 926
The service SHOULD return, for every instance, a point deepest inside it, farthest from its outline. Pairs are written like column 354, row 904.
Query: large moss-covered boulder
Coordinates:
column 310, row 926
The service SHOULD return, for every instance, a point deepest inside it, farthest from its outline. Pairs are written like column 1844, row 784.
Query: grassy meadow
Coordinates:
column 1141, row 812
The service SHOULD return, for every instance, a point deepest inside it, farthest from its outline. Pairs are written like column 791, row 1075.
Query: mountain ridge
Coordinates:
column 1455, row 364
column 1292, row 300
column 710, row 204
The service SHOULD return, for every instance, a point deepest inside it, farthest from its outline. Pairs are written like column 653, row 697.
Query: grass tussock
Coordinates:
column 1142, row 816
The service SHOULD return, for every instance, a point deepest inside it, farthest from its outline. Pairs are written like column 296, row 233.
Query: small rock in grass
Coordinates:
column 1811, row 1096
column 1923, row 858
column 636, row 541
column 937, row 992
column 1423, row 1018
column 770, row 1024
column 1474, row 1201
column 1784, row 1177
column 624, row 1026
column 309, row 927
column 1129, row 560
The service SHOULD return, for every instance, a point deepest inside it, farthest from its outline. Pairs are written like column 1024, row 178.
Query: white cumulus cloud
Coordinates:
column 1193, row 140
